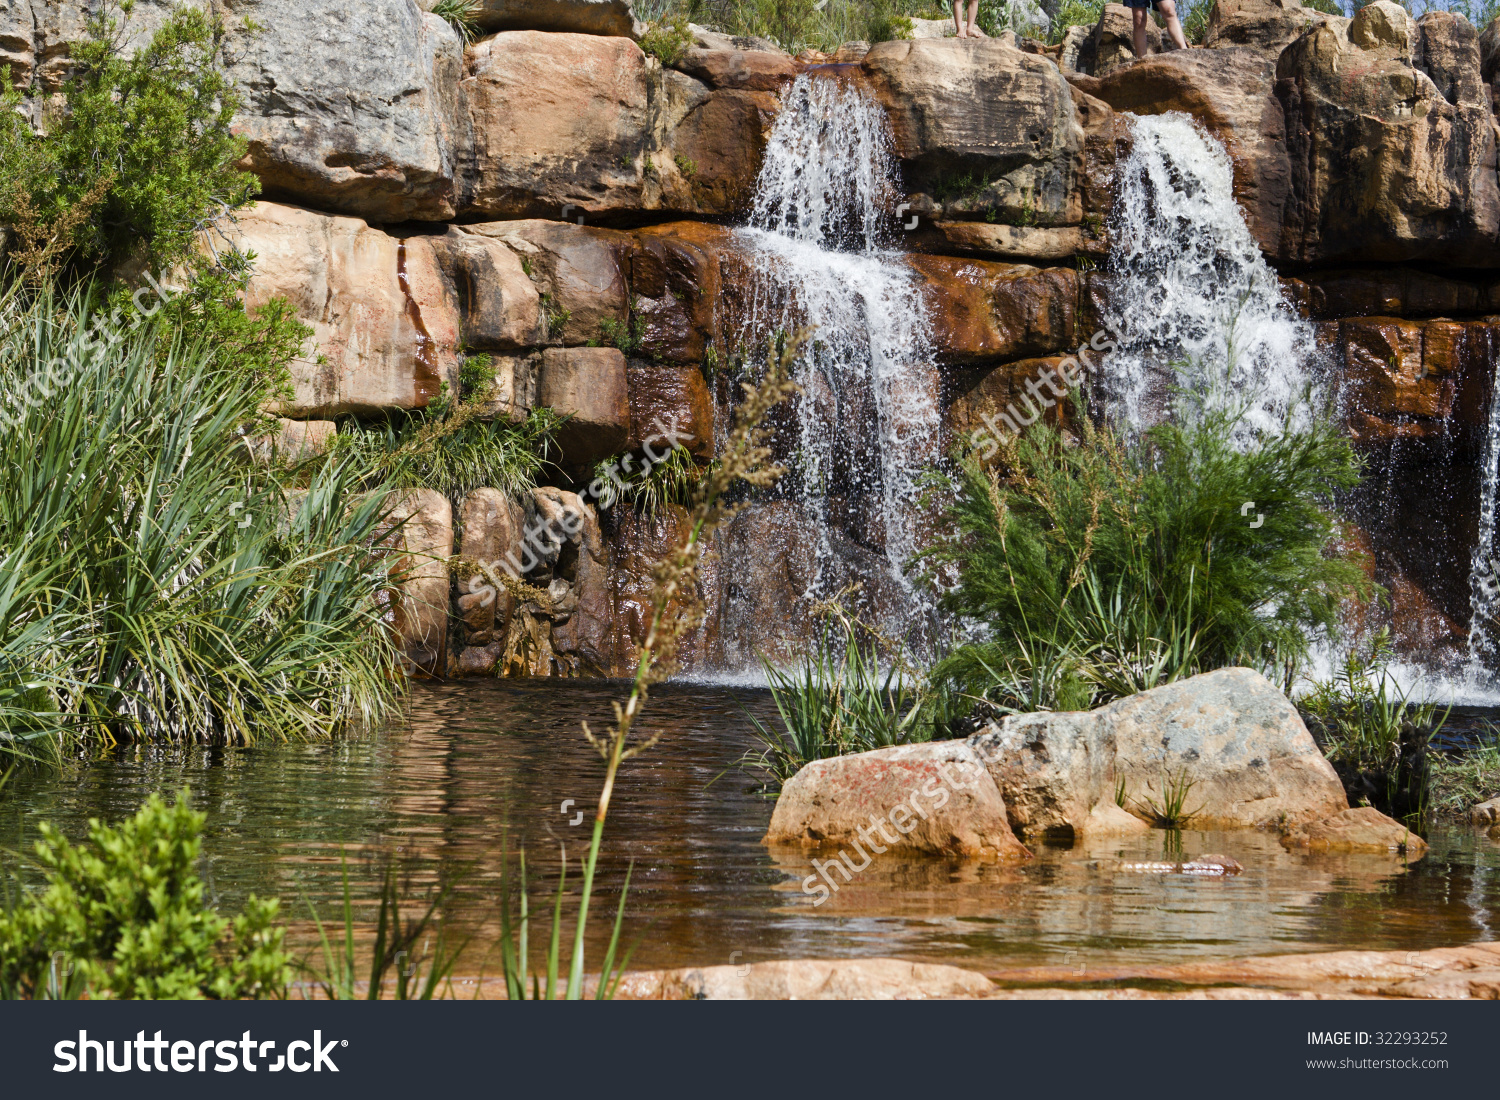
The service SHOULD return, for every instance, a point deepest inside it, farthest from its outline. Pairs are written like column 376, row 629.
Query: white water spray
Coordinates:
column 1193, row 301
column 867, row 418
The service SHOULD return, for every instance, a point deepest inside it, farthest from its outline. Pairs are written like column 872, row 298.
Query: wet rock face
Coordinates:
column 1389, row 161
column 932, row 799
column 421, row 546
column 982, row 310
column 588, row 386
column 606, row 17
column 1232, row 735
column 1230, row 91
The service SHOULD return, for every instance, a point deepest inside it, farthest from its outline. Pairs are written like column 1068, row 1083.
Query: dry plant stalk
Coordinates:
column 747, row 458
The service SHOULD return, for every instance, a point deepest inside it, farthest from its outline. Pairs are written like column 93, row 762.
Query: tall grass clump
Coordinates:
column 154, row 581
column 1372, row 731
column 1096, row 567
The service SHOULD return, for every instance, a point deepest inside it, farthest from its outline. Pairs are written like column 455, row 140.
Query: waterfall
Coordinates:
column 1484, row 583
column 1193, row 302
column 867, row 421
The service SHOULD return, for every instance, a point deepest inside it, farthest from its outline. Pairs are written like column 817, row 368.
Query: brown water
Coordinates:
column 485, row 758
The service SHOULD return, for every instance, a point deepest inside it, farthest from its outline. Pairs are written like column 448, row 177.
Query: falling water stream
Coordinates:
column 868, row 423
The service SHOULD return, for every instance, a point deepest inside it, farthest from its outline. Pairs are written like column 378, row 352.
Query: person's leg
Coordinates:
column 974, row 31
column 1168, row 11
column 958, row 18
column 1138, row 17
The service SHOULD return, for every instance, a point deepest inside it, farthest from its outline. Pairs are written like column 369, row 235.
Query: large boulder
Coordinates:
column 352, row 108
column 1230, row 734
column 989, row 311
column 37, row 36
column 1392, row 142
column 931, row 799
column 987, row 112
column 589, row 387
column 384, row 316
column 1231, row 93
column 807, row 980
column 1264, row 26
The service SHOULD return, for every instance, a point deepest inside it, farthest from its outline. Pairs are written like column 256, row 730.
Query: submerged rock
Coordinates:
column 1486, row 813
column 931, row 799
column 1362, row 829
column 1229, row 737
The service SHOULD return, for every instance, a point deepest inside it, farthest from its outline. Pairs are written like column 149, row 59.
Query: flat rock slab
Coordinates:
column 808, row 980
column 1362, row 829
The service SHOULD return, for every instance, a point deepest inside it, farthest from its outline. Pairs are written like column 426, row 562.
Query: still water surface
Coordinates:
column 489, row 760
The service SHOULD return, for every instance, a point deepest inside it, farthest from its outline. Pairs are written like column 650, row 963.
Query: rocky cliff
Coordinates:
column 550, row 182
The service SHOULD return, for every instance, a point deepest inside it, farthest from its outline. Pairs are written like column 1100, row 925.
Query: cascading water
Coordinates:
column 1194, row 305
column 867, row 419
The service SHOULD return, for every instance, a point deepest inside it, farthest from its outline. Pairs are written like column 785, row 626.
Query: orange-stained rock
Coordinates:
column 636, row 543
column 716, row 151
column 666, row 397
column 559, row 119
column 975, row 413
column 1362, row 829
column 499, row 306
column 676, row 283
column 1394, row 292
column 933, row 799
column 983, row 310
column 603, row 17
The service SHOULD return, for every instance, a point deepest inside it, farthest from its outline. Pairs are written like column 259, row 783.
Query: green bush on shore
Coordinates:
column 126, row 917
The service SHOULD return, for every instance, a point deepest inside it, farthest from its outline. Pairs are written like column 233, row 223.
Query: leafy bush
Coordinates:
column 462, row 16
column 153, row 581
column 125, row 916
column 667, row 40
column 670, row 481
column 137, row 159
column 1105, row 566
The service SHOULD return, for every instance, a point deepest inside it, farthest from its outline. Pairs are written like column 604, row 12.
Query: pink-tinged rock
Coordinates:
column 930, row 799
column 807, row 980
column 384, row 318
column 1362, row 829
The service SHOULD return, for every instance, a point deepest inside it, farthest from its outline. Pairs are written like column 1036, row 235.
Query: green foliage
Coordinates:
column 154, row 583
column 686, row 165
column 1459, row 781
column 1075, row 13
column 450, row 447
column 1170, row 811
column 627, row 335
column 798, row 25
column 887, row 23
column 667, row 40
column 1371, row 730
column 135, row 162
column 837, row 700
column 670, row 481
column 400, row 962
column 126, row 917
column 1106, row 566
column 462, row 16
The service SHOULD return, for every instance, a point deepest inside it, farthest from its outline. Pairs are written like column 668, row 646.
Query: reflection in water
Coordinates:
column 481, row 755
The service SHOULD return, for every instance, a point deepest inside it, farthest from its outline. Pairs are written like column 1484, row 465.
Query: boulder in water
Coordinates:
column 931, row 799
column 1486, row 813
column 1361, row 829
column 1229, row 738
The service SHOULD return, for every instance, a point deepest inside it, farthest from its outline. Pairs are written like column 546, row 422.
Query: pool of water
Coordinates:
column 494, row 763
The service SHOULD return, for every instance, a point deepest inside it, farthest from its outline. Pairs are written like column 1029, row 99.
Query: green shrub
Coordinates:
column 668, row 40
column 1105, row 566
column 125, row 916
column 670, row 481
column 137, row 159
column 154, row 582
column 462, row 16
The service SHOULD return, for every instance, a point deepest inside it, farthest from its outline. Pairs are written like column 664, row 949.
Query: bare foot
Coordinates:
column 975, row 32
column 961, row 33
